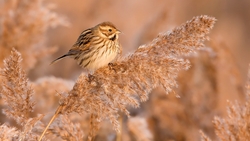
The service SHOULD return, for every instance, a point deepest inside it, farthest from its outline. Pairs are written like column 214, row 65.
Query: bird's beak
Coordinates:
column 118, row 31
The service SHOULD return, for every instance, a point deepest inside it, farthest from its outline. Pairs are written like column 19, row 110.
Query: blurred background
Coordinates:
column 214, row 78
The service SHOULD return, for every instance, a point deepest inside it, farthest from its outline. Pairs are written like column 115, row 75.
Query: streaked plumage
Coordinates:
column 95, row 47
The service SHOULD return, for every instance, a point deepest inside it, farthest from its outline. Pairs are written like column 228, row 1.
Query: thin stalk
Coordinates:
column 52, row 119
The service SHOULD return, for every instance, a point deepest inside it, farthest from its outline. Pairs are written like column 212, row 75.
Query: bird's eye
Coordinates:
column 110, row 30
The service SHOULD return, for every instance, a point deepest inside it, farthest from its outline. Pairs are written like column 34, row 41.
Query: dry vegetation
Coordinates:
column 151, row 94
column 22, row 28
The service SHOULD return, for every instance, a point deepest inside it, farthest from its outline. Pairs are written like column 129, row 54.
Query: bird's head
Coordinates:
column 108, row 30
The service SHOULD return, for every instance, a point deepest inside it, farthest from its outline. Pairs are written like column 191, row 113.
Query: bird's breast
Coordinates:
column 101, row 54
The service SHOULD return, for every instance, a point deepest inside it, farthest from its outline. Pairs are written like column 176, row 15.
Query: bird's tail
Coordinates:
column 60, row 58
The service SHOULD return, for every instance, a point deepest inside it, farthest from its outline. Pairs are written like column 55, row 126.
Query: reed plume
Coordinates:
column 236, row 125
column 17, row 94
column 132, row 78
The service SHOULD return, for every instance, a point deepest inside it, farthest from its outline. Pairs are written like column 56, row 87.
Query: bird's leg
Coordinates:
column 111, row 66
column 91, row 77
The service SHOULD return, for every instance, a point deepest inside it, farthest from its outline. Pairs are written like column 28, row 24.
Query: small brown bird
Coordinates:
column 95, row 47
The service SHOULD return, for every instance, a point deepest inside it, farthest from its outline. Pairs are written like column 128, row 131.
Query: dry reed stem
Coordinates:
column 59, row 109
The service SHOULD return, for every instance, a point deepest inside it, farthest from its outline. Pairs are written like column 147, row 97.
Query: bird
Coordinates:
column 95, row 47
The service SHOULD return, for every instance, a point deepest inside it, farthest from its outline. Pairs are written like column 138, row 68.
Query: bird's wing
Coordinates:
column 83, row 42
column 82, row 45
